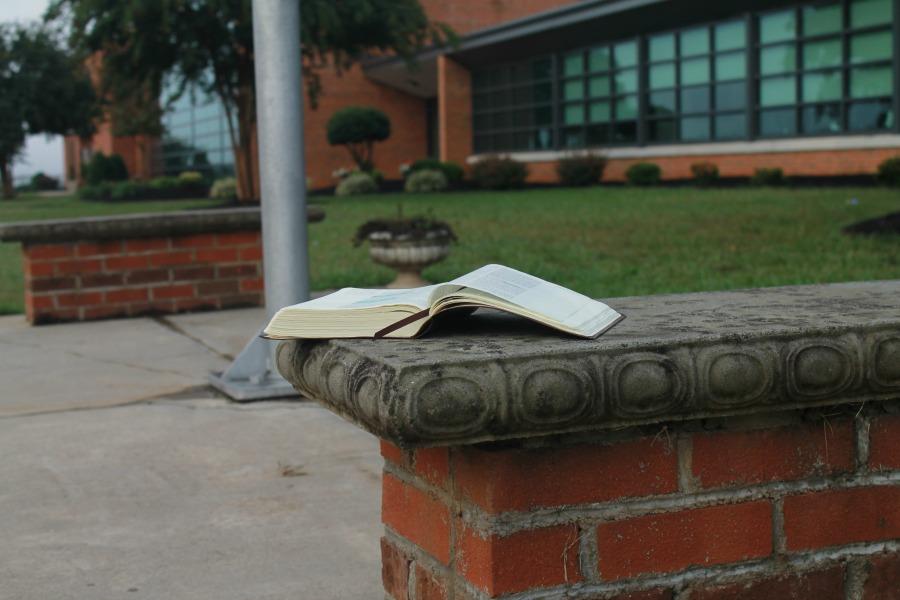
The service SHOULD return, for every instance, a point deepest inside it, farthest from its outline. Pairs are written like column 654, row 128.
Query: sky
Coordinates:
column 42, row 153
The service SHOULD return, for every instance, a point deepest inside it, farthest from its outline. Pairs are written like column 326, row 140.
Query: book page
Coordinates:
column 359, row 298
column 571, row 309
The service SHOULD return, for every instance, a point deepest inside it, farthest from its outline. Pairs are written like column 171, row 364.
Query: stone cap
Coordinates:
column 140, row 225
column 492, row 376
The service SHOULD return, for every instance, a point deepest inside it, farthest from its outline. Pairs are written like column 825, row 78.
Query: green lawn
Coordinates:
column 603, row 242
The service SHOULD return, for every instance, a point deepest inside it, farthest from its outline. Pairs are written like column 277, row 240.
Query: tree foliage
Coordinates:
column 358, row 128
column 149, row 45
column 42, row 90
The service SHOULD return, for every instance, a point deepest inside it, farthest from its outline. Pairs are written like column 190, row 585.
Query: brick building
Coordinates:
column 809, row 87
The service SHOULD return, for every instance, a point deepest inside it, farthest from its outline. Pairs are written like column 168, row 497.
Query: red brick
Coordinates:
column 844, row 516
column 251, row 253
column 521, row 561
column 252, row 285
column 433, row 465
column 427, row 586
column 241, row 300
column 102, row 280
column 217, row 288
column 127, row 295
column 215, row 255
column 163, row 259
column 193, row 273
column 39, row 301
column 74, row 267
column 238, row 238
column 194, row 241
column 79, row 299
column 394, row 571
column 46, row 251
column 126, row 263
column 94, row 248
column 884, row 443
column 747, row 457
column 147, row 245
column 417, row 516
column 188, row 304
column 147, row 276
column 826, row 584
column 244, row 270
column 883, row 582
column 396, row 455
column 655, row 594
column 668, row 542
column 48, row 284
column 184, row 290
column 103, row 312
column 39, row 268
column 523, row 479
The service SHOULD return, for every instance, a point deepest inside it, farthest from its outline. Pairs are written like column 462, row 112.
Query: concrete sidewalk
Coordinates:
column 124, row 476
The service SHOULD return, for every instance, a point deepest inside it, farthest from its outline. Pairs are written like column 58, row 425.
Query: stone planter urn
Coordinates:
column 406, row 246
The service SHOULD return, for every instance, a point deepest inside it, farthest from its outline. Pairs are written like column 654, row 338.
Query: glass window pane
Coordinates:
column 870, row 12
column 866, row 82
column 573, row 138
column 777, row 90
column 625, row 54
column 822, row 54
column 501, row 120
column 543, row 138
column 662, row 47
column 626, row 108
column 731, row 127
column 499, row 76
column 730, row 36
column 694, row 70
column 483, row 143
column 776, row 27
column 777, row 59
column 480, row 79
column 867, row 47
column 625, row 132
column 818, row 20
column 822, row 86
column 573, row 64
column 821, row 118
column 573, row 89
column 661, row 103
column 523, row 118
column 731, row 96
column 542, row 68
column 731, row 66
column 777, row 123
column 600, row 112
column 694, row 41
column 597, row 135
column 543, row 115
column 500, row 98
column 598, row 86
column 626, row 81
column 662, row 130
column 598, row 59
column 695, row 99
column 481, row 122
column 695, row 128
column 662, row 76
column 543, row 92
column 573, row 114
column 523, row 95
column 870, row 116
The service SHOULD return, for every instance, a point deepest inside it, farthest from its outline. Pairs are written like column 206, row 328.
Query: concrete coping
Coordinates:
column 140, row 225
column 492, row 376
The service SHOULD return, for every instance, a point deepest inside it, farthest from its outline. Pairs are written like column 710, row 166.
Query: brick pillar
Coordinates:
column 454, row 111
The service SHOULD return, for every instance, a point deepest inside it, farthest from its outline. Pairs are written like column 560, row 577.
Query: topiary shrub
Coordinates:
column 768, row 177
column 451, row 170
column 102, row 168
column 225, row 188
column 705, row 173
column 499, row 173
column 41, row 182
column 356, row 183
column 643, row 174
column 575, row 171
column 889, row 171
column 358, row 128
column 426, row 180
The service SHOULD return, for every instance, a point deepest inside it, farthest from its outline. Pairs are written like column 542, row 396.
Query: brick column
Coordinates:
column 454, row 111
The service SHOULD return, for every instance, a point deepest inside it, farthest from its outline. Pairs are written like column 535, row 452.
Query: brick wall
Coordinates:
column 807, row 508
column 81, row 281
column 454, row 111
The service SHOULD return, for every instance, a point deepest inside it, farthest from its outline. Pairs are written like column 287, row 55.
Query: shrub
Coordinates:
column 127, row 190
column 358, row 128
column 499, row 173
column 426, row 180
column 224, row 189
column 101, row 191
column 769, row 177
column 643, row 173
column 102, row 168
column 581, row 170
column 356, row 183
column 705, row 173
column 889, row 171
column 451, row 170
column 160, row 188
column 41, row 182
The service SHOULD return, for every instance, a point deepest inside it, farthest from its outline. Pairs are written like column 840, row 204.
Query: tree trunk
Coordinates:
column 245, row 152
column 6, row 175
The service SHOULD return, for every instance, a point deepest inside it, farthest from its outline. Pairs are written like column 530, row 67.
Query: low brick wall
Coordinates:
column 85, row 269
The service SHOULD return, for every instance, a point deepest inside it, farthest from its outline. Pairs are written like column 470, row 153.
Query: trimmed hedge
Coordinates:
column 499, row 173
column 643, row 174
column 426, row 180
column 768, row 177
column 186, row 185
column 889, row 171
column 581, row 170
column 356, row 183
column 451, row 170
column 705, row 173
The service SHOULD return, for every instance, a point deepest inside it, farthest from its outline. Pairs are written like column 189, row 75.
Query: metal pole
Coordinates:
column 279, row 118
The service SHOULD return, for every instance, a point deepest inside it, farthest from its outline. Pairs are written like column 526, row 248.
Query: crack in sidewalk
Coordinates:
column 175, row 328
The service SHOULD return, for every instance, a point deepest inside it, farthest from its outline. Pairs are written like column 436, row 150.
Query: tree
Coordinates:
column 209, row 44
column 358, row 128
column 42, row 90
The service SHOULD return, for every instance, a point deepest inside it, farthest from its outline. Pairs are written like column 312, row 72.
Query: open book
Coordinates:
column 354, row 312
